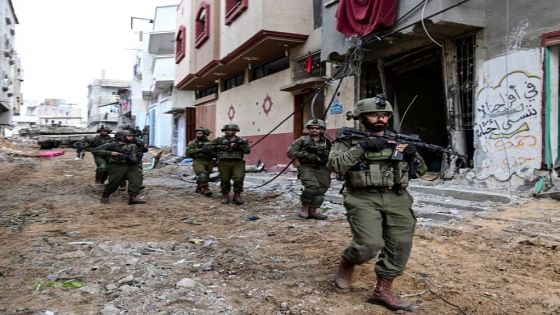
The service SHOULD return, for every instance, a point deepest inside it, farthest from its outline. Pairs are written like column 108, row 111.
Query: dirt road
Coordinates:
column 64, row 252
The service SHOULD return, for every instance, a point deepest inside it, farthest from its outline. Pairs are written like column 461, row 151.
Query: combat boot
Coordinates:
column 384, row 296
column 205, row 191
column 313, row 214
column 304, row 210
column 237, row 198
column 98, row 179
column 198, row 190
column 105, row 198
column 133, row 200
column 225, row 198
column 343, row 276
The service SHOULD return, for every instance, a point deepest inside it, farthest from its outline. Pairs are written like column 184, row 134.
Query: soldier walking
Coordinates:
column 203, row 160
column 312, row 153
column 378, row 207
column 231, row 166
column 100, row 162
column 123, row 165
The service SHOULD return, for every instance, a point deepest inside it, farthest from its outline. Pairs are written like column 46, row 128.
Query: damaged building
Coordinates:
column 480, row 77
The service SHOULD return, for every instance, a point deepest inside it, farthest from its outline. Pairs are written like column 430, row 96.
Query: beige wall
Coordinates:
column 287, row 16
column 248, row 100
column 210, row 50
column 184, row 18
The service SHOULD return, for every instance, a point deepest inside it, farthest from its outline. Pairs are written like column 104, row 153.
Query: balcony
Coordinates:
column 164, row 71
column 263, row 32
column 106, row 117
column 441, row 24
column 162, row 39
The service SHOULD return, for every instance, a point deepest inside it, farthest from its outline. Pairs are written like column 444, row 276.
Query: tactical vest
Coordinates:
column 200, row 154
column 236, row 153
column 322, row 147
column 126, row 149
column 376, row 169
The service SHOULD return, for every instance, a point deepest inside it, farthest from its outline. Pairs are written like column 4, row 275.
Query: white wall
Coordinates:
column 508, row 135
column 164, row 125
column 181, row 138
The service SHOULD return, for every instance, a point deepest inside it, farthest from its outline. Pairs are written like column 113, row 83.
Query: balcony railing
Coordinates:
column 106, row 117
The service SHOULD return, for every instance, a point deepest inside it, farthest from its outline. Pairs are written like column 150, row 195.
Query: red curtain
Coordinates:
column 361, row 17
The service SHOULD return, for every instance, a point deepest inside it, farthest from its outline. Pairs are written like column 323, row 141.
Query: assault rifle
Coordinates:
column 126, row 157
column 396, row 138
column 322, row 154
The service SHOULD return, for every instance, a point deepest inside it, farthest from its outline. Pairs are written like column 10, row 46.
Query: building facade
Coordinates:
column 478, row 76
column 104, row 102
column 246, row 62
column 10, row 67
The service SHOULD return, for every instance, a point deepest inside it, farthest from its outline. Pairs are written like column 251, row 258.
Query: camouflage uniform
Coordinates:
column 231, row 165
column 312, row 172
column 123, row 167
column 203, row 161
column 378, row 208
column 100, row 161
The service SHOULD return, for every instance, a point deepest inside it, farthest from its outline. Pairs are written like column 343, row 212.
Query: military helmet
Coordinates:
column 103, row 128
column 205, row 131
column 372, row 105
column 123, row 133
column 316, row 122
column 231, row 126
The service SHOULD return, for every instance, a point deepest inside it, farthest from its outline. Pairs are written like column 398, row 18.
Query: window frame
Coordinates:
column 233, row 9
column 180, row 44
column 202, row 33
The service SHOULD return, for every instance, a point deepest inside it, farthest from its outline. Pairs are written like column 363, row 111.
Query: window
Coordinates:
column 270, row 68
column 234, row 8
column 202, row 24
column 180, row 44
column 233, row 82
column 205, row 92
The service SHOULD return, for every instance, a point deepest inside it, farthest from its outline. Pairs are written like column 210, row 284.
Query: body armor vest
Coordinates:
column 376, row 169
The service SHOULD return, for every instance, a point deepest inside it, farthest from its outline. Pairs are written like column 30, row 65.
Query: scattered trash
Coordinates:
column 196, row 241
column 81, row 243
column 190, row 221
column 68, row 284
column 253, row 218
column 185, row 283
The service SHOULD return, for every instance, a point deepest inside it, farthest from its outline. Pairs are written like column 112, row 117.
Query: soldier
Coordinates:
column 378, row 207
column 312, row 152
column 100, row 162
column 230, row 150
column 121, row 156
column 142, row 148
column 203, row 160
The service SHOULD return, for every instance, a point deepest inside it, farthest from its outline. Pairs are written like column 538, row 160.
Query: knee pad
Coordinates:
column 202, row 178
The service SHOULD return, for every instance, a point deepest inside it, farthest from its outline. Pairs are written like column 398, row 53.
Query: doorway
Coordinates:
column 416, row 89
column 305, row 109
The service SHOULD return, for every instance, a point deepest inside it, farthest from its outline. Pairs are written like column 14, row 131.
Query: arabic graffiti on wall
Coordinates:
column 508, row 125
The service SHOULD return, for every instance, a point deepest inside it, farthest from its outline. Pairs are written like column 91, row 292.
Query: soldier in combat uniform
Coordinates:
column 203, row 160
column 123, row 165
column 100, row 162
column 312, row 152
column 231, row 149
column 378, row 207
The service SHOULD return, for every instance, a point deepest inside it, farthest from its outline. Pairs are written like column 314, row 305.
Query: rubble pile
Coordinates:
column 17, row 148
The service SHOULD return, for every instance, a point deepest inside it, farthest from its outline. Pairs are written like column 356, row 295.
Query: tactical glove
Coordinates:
column 372, row 144
column 409, row 152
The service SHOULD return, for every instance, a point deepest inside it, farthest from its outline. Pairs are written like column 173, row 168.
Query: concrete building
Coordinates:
column 154, row 76
column 107, row 100
column 481, row 76
column 50, row 112
column 246, row 63
column 10, row 68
